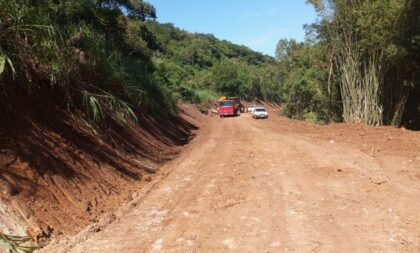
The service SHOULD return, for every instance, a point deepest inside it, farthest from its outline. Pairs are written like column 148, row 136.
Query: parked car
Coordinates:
column 251, row 108
column 260, row 113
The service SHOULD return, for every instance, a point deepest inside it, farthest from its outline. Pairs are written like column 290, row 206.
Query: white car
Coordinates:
column 260, row 113
column 251, row 108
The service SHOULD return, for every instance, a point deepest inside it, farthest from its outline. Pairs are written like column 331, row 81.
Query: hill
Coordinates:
column 195, row 66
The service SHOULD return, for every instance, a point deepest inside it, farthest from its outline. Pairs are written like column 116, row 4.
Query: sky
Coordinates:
column 257, row 24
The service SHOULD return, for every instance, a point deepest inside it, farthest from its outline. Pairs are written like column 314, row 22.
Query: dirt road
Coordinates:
column 246, row 185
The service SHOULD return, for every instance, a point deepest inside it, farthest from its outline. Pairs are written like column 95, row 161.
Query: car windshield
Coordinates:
column 226, row 103
column 260, row 110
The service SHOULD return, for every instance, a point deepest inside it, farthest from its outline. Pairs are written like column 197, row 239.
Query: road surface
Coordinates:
column 246, row 185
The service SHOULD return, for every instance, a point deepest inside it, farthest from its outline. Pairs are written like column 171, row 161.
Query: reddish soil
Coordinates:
column 275, row 185
column 59, row 173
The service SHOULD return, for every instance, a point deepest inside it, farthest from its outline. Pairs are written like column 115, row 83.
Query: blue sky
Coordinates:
column 258, row 24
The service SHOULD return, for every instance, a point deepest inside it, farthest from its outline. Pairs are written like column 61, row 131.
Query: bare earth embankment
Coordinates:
column 273, row 185
column 59, row 173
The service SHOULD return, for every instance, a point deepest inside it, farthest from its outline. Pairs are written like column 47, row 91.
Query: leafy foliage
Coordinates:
column 304, row 72
column 90, row 51
column 110, row 59
column 16, row 244
column 359, row 62
column 191, row 61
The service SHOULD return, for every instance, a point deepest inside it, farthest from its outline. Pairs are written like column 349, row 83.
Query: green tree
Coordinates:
column 364, row 42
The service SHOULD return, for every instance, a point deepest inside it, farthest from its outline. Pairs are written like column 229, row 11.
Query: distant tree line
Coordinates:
column 190, row 63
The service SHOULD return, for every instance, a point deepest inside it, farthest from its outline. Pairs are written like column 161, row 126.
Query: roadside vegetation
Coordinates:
column 109, row 59
column 359, row 63
column 78, row 53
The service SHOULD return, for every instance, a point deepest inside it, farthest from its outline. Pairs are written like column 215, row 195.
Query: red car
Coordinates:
column 227, row 108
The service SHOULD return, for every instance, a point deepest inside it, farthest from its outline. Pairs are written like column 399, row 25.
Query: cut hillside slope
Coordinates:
column 59, row 172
